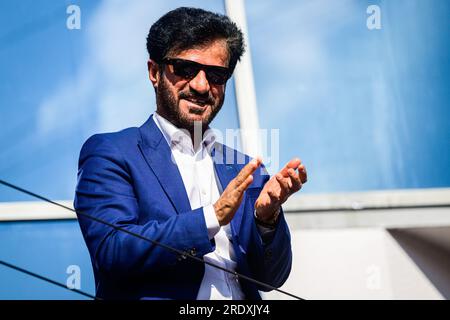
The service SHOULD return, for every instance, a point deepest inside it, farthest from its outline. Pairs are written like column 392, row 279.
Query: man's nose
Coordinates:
column 200, row 83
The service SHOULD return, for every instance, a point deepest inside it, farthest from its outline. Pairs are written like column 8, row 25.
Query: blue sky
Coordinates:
column 364, row 109
column 60, row 86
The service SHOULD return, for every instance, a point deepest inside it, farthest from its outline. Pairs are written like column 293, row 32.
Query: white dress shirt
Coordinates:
column 197, row 171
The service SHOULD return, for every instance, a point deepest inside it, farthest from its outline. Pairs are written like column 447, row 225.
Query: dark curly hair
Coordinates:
column 186, row 28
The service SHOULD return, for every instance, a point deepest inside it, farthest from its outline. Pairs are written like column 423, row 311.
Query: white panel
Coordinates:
column 244, row 85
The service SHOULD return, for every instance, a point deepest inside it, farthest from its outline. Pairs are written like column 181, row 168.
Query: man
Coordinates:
column 165, row 183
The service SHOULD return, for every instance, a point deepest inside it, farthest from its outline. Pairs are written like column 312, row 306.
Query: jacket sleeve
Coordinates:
column 270, row 262
column 105, row 191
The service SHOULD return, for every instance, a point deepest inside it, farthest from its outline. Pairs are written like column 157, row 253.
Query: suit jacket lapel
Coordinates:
column 158, row 156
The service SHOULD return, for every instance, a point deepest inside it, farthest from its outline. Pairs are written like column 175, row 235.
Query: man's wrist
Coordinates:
column 271, row 222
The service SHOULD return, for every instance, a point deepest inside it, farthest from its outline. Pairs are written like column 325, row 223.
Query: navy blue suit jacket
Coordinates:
column 128, row 179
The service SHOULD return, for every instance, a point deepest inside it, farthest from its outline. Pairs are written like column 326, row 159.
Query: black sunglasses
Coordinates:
column 188, row 69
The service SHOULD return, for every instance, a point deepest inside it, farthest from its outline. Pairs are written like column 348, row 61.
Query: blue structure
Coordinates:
column 364, row 109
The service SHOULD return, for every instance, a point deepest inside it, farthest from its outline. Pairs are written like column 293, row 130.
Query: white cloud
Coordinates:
column 110, row 89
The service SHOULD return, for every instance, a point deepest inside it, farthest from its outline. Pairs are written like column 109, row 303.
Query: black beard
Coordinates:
column 168, row 105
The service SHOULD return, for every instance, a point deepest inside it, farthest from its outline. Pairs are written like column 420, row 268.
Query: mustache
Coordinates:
column 203, row 99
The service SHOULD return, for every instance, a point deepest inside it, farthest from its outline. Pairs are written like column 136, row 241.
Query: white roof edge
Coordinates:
column 354, row 201
column 35, row 210
column 380, row 199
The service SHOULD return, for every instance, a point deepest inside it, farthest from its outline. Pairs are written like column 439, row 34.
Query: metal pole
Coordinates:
column 244, row 85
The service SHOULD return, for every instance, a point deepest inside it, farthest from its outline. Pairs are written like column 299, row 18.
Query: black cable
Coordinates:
column 9, row 265
column 183, row 254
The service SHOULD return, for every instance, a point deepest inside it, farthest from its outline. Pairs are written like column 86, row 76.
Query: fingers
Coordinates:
column 280, row 191
column 289, row 180
column 296, row 182
column 293, row 164
column 302, row 173
column 249, row 168
column 243, row 186
column 231, row 198
column 284, row 184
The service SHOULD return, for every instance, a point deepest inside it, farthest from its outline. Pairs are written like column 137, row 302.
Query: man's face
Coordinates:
column 183, row 101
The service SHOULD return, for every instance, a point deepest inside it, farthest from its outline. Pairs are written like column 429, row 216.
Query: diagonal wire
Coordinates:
column 56, row 283
column 183, row 254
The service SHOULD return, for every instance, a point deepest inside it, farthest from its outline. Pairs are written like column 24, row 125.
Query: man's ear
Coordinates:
column 153, row 72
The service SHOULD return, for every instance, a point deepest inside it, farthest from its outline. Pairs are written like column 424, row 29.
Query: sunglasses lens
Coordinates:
column 189, row 69
column 217, row 76
column 185, row 69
